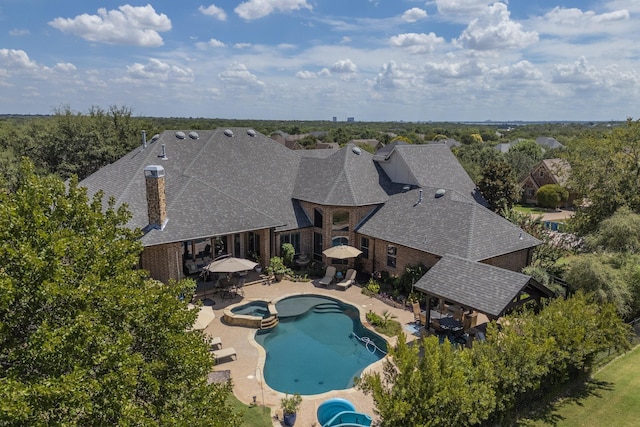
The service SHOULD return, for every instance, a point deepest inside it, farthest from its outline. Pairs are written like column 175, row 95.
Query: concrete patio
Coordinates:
column 246, row 368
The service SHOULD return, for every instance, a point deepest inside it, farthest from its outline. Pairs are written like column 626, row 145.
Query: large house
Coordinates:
column 199, row 194
column 548, row 171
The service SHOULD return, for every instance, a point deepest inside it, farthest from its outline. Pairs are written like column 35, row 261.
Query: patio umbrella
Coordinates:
column 342, row 252
column 205, row 316
column 230, row 265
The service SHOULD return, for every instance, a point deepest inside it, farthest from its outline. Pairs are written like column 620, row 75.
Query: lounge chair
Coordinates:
column 223, row 353
column 216, row 342
column 416, row 312
column 348, row 280
column 328, row 276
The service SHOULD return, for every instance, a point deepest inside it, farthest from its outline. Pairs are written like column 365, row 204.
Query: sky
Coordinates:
column 373, row 60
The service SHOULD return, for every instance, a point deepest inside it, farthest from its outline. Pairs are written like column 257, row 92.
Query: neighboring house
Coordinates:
column 372, row 143
column 449, row 142
column 289, row 141
column 545, row 142
column 548, row 171
column 234, row 191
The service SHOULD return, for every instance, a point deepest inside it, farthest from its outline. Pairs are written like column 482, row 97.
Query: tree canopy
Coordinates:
column 498, row 185
column 85, row 338
column 433, row 384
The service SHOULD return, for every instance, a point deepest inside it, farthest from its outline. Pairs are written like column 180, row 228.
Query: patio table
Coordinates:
column 450, row 324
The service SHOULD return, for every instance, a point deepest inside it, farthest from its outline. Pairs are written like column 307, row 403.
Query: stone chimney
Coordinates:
column 156, row 202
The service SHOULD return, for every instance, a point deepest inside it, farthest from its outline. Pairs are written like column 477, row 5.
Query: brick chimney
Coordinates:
column 156, row 202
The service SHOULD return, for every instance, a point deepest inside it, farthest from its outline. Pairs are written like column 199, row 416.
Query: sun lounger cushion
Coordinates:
column 216, row 342
column 225, row 352
column 328, row 276
column 348, row 280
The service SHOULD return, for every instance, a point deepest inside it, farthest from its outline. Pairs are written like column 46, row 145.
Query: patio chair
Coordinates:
column 223, row 353
column 348, row 280
column 328, row 276
column 416, row 312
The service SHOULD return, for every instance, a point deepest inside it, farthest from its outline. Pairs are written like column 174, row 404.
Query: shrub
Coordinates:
column 551, row 195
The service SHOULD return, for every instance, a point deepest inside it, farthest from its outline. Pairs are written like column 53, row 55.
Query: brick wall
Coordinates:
column 514, row 261
column 163, row 262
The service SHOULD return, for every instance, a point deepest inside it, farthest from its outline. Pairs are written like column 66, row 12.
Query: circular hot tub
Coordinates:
column 255, row 313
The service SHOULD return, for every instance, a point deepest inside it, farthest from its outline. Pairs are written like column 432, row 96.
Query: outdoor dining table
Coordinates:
column 450, row 324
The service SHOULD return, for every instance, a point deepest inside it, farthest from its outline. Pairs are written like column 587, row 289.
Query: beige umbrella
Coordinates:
column 342, row 252
column 205, row 316
column 230, row 265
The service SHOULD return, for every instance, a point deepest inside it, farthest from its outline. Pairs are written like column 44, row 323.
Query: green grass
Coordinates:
column 611, row 398
column 535, row 210
column 254, row 416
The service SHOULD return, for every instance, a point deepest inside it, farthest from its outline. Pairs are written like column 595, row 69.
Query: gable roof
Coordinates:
column 559, row 168
column 347, row 177
column 483, row 287
column 450, row 224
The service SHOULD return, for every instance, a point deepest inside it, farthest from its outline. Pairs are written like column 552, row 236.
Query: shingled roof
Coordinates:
column 215, row 184
column 449, row 224
column 482, row 287
column 348, row 177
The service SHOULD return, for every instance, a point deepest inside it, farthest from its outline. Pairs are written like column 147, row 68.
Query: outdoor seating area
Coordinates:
column 223, row 353
column 348, row 280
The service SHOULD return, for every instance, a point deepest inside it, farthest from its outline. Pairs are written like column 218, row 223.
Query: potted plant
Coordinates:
column 277, row 268
column 290, row 406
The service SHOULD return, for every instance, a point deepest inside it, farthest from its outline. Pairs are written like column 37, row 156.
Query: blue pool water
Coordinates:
column 253, row 308
column 314, row 348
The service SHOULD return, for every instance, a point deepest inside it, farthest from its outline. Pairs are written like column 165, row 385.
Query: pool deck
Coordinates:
column 246, row 368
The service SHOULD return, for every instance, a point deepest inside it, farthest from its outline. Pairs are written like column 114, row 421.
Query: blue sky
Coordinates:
column 375, row 60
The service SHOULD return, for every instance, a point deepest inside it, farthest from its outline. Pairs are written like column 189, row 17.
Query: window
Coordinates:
column 340, row 221
column 391, row 256
column 541, row 174
column 196, row 249
column 317, row 246
column 337, row 241
column 317, row 218
column 293, row 238
column 253, row 244
column 364, row 247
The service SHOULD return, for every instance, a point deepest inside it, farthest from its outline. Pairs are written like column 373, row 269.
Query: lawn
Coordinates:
column 254, row 416
column 612, row 398
column 531, row 210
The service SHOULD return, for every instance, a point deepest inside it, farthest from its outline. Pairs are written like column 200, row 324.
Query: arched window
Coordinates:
column 339, row 240
column 340, row 221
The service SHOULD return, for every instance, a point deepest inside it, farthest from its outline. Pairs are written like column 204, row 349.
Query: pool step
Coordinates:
column 328, row 307
column 269, row 322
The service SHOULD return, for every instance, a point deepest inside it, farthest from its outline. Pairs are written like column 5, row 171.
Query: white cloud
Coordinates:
column 158, row 71
column 495, row 30
column 417, row 43
column 65, row 66
column 461, row 7
column 344, row 66
column 17, row 32
column 215, row 43
column 581, row 74
column 255, row 9
column 237, row 74
column 345, row 40
column 306, row 75
column 573, row 16
column 242, row 45
column 129, row 25
column 214, row 11
column 16, row 59
column 394, row 76
column 414, row 14
column 453, row 70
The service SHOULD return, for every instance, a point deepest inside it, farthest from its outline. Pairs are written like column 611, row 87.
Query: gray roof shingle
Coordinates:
column 483, row 287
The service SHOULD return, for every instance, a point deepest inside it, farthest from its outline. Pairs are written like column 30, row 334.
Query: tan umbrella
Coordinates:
column 342, row 252
column 205, row 316
column 230, row 265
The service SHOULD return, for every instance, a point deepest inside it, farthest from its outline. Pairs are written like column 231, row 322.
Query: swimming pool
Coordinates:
column 254, row 308
column 319, row 345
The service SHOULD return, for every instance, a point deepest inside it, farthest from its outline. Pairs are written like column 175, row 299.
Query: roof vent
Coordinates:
column 356, row 150
column 419, row 198
column 405, row 188
column 440, row 192
column 144, row 139
column 251, row 133
column 228, row 132
column 194, row 135
column 163, row 156
column 180, row 135
column 155, row 137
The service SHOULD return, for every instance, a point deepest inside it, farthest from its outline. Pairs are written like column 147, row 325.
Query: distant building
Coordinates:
column 335, row 119
column 548, row 171
column 351, row 119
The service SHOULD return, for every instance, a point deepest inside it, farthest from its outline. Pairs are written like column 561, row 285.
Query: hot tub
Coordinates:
column 250, row 314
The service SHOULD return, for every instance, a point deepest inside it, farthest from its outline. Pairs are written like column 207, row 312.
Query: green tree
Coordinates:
column 605, row 170
column 85, row 338
column 619, row 233
column 551, row 196
column 522, row 157
column 498, row 185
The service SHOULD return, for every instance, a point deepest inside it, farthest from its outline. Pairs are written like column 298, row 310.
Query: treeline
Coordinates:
column 69, row 143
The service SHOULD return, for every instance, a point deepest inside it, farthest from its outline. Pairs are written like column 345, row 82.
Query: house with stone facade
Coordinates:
column 196, row 195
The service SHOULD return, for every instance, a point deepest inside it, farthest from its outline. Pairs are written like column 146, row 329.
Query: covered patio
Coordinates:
column 464, row 288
